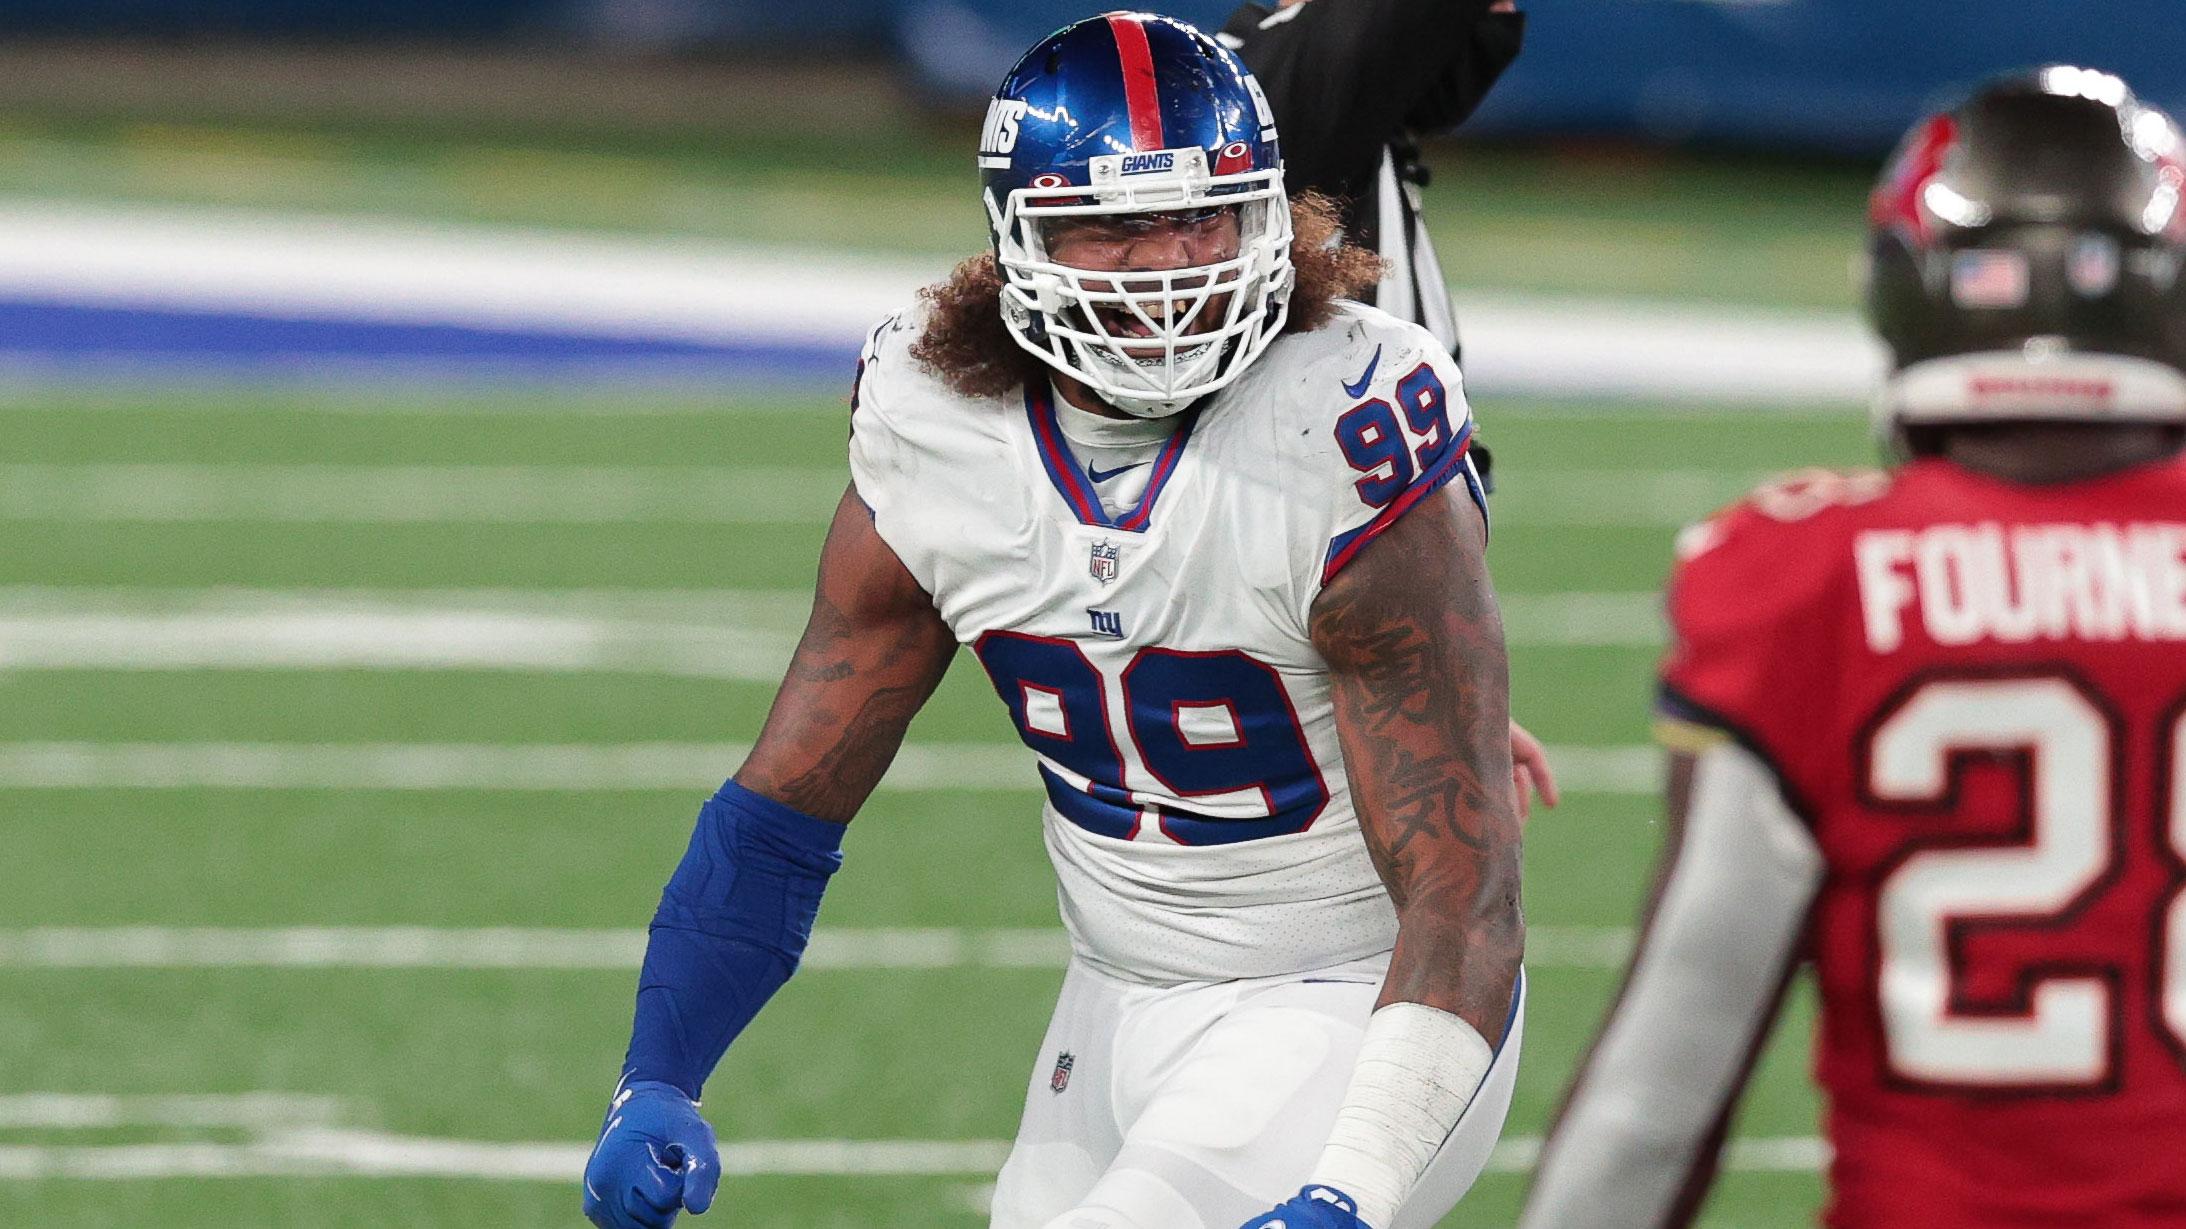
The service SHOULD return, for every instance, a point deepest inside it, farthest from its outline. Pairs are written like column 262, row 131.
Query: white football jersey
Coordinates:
column 1157, row 663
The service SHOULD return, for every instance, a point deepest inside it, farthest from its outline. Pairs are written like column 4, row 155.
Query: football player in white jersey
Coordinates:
column 1213, row 534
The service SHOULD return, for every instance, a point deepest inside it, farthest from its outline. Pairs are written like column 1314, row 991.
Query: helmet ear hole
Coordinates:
column 1023, row 323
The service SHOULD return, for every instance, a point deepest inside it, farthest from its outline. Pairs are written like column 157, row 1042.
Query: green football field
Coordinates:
column 196, row 760
column 348, row 732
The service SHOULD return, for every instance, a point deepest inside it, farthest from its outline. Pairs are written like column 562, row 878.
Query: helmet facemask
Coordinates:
column 1147, row 341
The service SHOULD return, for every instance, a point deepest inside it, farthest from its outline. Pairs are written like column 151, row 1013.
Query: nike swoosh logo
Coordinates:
column 1099, row 475
column 1359, row 389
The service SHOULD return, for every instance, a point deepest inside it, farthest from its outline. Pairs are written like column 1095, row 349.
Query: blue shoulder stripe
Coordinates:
column 1455, row 464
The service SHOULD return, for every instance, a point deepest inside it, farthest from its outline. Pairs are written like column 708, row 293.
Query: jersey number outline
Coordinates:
column 1215, row 725
column 1375, row 446
column 2066, row 1032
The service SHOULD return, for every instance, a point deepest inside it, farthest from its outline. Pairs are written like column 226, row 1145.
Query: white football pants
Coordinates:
column 1202, row 1106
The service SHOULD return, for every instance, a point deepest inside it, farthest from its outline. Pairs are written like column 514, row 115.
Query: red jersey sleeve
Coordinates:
column 1755, row 607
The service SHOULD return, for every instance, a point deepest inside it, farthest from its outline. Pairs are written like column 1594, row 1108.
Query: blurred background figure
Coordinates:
column 1354, row 86
column 1921, row 737
column 417, row 421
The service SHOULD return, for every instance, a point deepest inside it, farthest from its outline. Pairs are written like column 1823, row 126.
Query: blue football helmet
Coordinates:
column 1135, row 114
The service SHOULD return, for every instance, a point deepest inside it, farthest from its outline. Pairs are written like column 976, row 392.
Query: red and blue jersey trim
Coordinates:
column 1164, row 468
column 1072, row 484
column 1455, row 464
column 1140, row 95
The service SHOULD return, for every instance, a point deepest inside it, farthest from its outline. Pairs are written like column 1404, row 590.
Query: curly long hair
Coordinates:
column 970, row 349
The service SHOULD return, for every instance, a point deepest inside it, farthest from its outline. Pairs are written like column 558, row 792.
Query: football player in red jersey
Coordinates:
column 1928, row 727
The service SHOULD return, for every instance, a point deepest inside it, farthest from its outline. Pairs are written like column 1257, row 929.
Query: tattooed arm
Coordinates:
column 1422, row 696
column 1414, row 648
column 873, row 651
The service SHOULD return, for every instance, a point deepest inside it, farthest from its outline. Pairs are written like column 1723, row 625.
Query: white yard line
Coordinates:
column 635, row 391
column 1611, row 619
column 384, row 494
column 555, row 282
column 427, row 947
column 179, row 492
column 332, row 1152
column 431, row 947
column 765, row 609
column 539, row 767
column 368, row 639
column 1539, row 345
column 746, row 635
column 447, row 766
column 105, row 1111
column 570, row 282
column 1608, row 498
column 299, row 1135
column 1756, row 1154
column 1578, row 947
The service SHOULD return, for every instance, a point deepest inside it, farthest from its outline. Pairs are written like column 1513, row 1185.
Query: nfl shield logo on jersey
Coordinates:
column 1104, row 563
column 1063, row 1063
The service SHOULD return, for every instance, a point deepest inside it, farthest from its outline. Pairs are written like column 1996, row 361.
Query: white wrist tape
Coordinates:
column 1418, row 1069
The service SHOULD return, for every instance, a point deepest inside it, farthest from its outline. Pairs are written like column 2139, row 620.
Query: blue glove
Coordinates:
column 1315, row 1207
column 655, row 1157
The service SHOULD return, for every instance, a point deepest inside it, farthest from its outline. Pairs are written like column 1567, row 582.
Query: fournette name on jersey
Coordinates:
column 1981, row 581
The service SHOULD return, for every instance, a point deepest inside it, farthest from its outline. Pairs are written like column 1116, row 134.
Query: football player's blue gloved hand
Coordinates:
column 655, row 1157
column 1315, row 1207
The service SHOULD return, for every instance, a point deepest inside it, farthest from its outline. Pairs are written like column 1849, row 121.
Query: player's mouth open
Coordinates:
column 1123, row 322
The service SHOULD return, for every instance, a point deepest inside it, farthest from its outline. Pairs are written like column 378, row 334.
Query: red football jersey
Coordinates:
column 1975, row 694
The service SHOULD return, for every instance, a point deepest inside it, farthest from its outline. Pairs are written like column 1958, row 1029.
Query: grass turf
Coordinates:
column 528, row 1055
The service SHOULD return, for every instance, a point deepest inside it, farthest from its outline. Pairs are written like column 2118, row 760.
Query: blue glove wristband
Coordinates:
column 1314, row 1207
column 732, row 924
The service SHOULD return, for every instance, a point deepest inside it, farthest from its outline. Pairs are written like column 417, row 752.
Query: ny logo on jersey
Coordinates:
column 1107, row 623
column 1105, row 563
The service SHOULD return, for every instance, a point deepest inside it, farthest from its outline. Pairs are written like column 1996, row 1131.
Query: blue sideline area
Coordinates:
column 95, row 340
column 1796, row 76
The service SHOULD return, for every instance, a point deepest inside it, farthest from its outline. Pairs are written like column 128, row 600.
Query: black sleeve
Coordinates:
column 1450, row 100
column 1346, row 77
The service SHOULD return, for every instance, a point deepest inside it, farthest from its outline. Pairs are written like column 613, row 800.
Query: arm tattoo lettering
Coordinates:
column 1414, row 645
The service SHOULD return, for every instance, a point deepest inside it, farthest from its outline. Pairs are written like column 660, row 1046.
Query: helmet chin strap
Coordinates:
column 1146, row 407
column 1137, row 405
